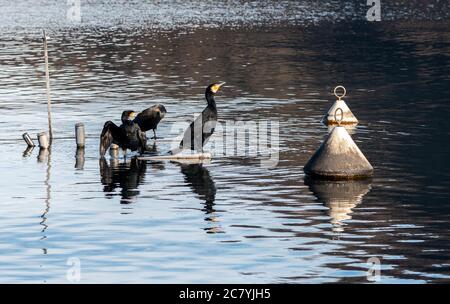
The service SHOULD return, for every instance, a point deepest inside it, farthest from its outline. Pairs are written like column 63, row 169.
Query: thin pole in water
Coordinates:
column 47, row 84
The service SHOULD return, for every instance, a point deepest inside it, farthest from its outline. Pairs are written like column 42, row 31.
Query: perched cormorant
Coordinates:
column 128, row 136
column 149, row 118
column 201, row 129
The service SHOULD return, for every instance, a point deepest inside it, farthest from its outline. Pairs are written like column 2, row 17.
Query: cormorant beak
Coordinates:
column 216, row 87
column 132, row 115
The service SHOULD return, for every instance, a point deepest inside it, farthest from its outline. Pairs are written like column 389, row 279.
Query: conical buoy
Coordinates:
column 348, row 117
column 338, row 157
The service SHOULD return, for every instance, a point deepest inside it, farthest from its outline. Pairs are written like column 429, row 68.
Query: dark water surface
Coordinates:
column 231, row 220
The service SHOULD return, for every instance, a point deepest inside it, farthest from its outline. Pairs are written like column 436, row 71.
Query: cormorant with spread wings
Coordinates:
column 127, row 136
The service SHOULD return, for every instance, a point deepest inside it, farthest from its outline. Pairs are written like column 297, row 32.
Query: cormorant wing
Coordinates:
column 111, row 133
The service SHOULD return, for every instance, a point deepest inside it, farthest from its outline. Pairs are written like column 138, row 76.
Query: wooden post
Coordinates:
column 43, row 140
column 114, row 151
column 80, row 136
column 47, row 85
column 27, row 138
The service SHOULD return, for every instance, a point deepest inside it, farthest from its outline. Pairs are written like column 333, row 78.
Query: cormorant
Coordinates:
column 201, row 129
column 128, row 136
column 149, row 118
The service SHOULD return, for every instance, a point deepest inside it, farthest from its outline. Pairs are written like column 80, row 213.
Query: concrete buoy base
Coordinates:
column 347, row 119
column 338, row 158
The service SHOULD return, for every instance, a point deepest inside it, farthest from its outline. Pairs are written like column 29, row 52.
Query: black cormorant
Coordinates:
column 128, row 136
column 201, row 129
column 149, row 118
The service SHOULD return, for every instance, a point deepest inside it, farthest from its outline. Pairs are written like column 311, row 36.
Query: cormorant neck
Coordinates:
column 210, row 99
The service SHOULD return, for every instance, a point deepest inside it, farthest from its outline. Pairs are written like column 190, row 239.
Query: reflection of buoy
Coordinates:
column 338, row 158
column 340, row 197
column 348, row 118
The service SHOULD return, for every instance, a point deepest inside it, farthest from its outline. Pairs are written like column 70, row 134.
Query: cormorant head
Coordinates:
column 214, row 88
column 128, row 115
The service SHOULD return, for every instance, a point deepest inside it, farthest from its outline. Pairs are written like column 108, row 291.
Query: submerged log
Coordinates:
column 179, row 156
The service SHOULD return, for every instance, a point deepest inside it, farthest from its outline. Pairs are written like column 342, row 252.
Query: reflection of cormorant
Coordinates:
column 340, row 197
column 127, row 136
column 198, row 178
column 128, row 176
column 201, row 129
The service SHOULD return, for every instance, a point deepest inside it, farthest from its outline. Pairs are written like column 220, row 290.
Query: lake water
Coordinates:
column 230, row 220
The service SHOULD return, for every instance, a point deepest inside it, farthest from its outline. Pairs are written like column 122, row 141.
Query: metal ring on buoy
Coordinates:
column 335, row 116
column 343, row 93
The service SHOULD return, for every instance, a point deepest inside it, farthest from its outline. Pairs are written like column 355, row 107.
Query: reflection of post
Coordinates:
column 48, row 195
column 43, row 154
column 28, row 151
column 79, row 159
column 340, row 197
